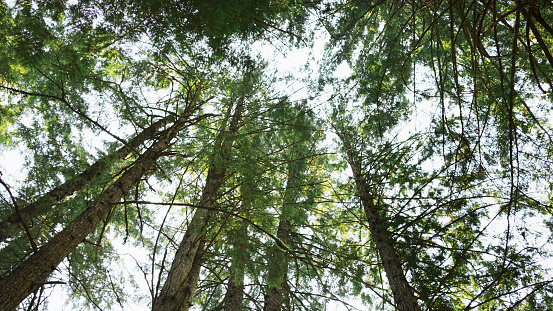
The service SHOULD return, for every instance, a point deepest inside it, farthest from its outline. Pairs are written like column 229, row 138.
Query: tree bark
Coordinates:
column 234, row 296
column 34, row 271
column 235, row 289
column 10, row 226
column 181, row 283
column 279, row 266
column 404, row 296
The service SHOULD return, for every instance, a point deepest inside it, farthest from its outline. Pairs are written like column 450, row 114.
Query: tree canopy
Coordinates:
column 172, row 160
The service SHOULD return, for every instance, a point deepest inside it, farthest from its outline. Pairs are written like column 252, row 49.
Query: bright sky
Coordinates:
column 291, row 63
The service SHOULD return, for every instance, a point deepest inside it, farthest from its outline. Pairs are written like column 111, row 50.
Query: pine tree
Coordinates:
column 34, row 272
column 436, row 194
column 182, row 279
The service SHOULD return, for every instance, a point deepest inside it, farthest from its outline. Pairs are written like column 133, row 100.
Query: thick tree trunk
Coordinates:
column 181, row 283
column 34, row 272
column 10, row 226
column 404, row 297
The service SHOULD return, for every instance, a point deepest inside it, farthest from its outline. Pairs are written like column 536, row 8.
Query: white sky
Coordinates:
column 291, row 63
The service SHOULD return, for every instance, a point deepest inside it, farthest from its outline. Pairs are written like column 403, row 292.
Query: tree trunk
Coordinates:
column 181, row 283
column 404, row 297
column 34, row 271
column 234, row 296
column 277, row 276
column 278, row 264
column 9, row 227
column 235, row 289
column 278, row 269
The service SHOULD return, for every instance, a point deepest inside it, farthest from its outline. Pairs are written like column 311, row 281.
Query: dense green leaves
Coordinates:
column 445, row 113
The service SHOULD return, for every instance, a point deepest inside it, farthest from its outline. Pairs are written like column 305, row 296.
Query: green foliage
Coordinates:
column 446, row 112
column 441, row 219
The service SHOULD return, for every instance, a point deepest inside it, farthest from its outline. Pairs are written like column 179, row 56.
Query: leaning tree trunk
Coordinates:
column 9, row 227
column 404, row 296
column 34, row 271
column 182, row 280
column 181, row 283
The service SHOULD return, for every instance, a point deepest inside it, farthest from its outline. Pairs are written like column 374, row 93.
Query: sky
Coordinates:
column 297, row 63
column 289, row 63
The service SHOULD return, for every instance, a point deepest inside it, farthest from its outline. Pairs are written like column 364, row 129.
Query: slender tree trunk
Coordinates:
column 10, row 226
column 234, row 296
column 34, row 271
column 235, row 289
column 404, row 296
column 238, row 238
column 278, row 264
column 181, row 283
column 278, row 269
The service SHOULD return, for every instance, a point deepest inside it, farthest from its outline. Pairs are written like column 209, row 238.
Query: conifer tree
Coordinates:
column 34, row 272
column 436, row 194
column 180, row 285
column 8, row 227
column 298, row 194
